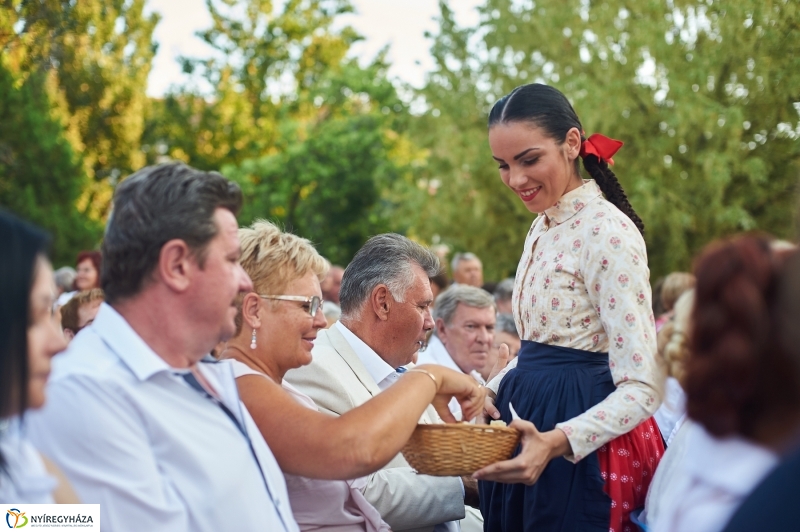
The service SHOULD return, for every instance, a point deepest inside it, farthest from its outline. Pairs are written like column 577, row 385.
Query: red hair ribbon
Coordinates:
column 601, row 146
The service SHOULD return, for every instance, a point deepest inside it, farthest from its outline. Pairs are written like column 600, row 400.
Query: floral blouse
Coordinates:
column 583, row 282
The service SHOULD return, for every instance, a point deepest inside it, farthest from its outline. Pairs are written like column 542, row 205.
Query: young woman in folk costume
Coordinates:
column 586, row 377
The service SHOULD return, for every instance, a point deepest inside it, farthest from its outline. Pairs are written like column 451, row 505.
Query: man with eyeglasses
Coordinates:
column 385, row 299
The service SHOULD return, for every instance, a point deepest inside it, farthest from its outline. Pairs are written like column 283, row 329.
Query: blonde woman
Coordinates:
column 674, row 285
column 673, row 341
column 673, row 346
column 277, row 324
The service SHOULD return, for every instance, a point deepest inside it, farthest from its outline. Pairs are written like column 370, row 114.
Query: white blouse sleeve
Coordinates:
column 494, row 384
column 616, row 277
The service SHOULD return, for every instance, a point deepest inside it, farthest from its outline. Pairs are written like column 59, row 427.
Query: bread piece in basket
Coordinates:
column 458, row 449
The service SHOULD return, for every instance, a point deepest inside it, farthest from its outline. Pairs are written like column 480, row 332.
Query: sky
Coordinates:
column 399, row 23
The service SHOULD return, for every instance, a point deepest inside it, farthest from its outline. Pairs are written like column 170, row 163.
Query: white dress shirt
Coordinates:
column 708, row 484
column 436, row 353
column 26, row 480
column 384, row 375
column 157, row 455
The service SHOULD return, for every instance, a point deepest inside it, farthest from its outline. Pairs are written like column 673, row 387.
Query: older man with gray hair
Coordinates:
column 385, row 298
column 64, row 278
column 465, row 320
column 467, row 269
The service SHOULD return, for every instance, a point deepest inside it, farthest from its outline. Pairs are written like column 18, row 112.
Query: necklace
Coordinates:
column 250, row 361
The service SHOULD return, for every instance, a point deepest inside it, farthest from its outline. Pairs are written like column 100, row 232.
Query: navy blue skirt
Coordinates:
column 551, row 384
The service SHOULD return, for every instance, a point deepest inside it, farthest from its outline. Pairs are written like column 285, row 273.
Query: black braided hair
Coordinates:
column 550, row 110
column 612, row 189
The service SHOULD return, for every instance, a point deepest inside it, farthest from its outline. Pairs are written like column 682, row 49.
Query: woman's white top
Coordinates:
column 672, row 410
column 705, row 481
column 330, row 505
column 26, row 480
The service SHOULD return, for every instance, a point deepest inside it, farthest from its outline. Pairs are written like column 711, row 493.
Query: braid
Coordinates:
column 609, row 184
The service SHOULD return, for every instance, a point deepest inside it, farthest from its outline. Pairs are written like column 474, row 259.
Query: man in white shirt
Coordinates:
column 140, row 420
column 465, row 319
column 385, row 298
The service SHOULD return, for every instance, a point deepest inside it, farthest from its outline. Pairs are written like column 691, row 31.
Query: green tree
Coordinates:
column 343, row 177
column 317, row 141
column 41, row 177
column 100, row 53
column 329, row 188
column 266, row 64
column 704, row 93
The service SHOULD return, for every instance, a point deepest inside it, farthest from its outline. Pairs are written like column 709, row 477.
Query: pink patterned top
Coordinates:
column 583, row 282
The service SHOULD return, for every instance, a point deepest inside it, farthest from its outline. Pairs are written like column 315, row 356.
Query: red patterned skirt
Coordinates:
column 627, row 464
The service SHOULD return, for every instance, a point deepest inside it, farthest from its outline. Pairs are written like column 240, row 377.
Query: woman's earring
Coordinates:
column 253, row 340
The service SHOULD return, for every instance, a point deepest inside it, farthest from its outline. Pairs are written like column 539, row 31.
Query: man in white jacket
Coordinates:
column 385, row 299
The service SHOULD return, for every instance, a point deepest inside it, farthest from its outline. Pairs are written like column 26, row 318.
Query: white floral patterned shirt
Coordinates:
column 583, row 282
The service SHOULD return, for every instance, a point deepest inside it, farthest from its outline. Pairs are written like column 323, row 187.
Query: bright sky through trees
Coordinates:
column 382, row 22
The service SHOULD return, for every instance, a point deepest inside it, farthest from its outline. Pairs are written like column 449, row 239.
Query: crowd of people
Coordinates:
column 212, row 377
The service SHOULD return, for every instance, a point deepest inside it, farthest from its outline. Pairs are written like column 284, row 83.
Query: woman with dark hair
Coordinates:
column 741, row 380
column 586, row 375
column 29, row 337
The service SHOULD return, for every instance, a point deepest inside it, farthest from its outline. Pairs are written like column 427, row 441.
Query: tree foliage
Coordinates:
column 73, row 107
column 704, row 93
column 100, row 53
column 343, row 170
column 267, row 62
column 315, row 139
column 40, row 175
column 334, row 188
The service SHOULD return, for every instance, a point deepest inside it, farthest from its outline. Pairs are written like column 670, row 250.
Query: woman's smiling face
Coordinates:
column 535, row 166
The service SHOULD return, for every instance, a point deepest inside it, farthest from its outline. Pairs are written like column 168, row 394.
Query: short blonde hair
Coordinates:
column 273, row 258
column 674, row 285
column 673, row 338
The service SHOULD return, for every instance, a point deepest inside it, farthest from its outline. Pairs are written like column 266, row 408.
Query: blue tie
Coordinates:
column 401, row 370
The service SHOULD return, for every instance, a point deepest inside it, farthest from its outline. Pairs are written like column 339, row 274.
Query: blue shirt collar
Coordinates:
column 120, row 338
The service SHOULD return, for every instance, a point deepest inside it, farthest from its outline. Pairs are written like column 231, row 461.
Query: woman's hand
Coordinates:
column 469, row 394
column 538, row 448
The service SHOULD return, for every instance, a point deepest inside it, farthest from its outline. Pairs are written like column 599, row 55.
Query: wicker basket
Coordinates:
column 451, row 450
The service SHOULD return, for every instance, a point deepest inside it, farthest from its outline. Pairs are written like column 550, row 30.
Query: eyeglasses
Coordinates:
column 312, row 304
